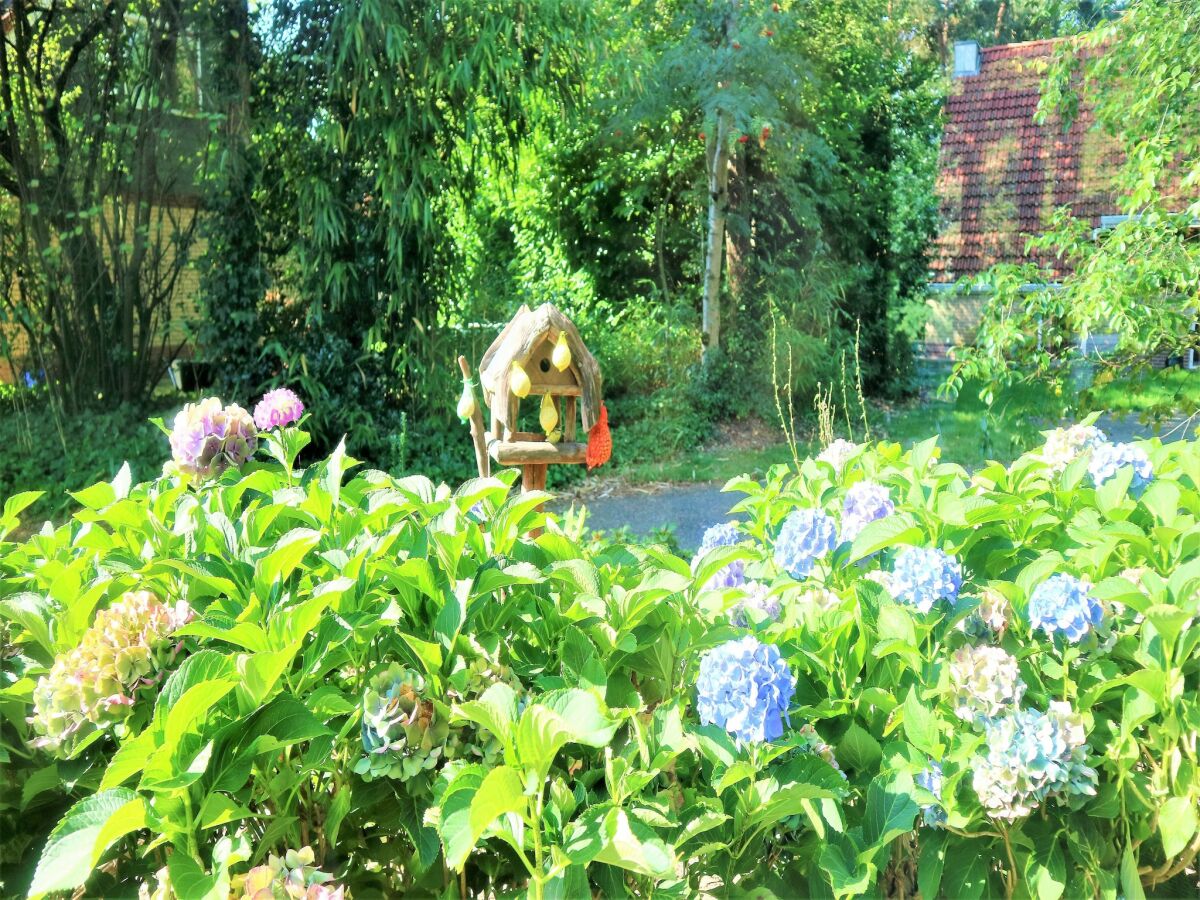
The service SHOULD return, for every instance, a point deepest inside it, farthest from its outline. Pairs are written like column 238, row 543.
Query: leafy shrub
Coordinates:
column 377, row 685
column 53, row 452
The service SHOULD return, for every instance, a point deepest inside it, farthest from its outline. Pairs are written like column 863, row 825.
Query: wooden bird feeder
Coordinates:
column 538, row 357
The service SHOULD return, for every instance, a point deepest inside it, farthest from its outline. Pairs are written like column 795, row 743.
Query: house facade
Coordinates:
column 1001, row 176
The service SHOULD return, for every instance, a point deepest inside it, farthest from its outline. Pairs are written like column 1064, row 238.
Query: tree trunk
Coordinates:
column 718, row 212
column 718, row 209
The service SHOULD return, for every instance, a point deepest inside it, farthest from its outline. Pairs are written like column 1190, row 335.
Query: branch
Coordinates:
column 89, row 34
column 9, row 185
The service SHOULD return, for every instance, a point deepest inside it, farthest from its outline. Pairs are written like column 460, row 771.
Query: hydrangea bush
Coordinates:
column 262, row 676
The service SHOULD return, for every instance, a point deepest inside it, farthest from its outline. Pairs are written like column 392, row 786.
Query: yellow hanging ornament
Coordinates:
column 466, row 403
column 561, row 357
column 518, row 381
column 548, row 416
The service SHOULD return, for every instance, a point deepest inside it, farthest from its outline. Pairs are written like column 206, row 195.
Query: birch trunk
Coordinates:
column 718, row 212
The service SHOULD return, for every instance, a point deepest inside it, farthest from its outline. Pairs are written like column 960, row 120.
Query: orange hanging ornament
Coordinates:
column 599, row 446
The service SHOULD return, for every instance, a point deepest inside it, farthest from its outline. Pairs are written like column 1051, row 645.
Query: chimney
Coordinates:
column 966, row 58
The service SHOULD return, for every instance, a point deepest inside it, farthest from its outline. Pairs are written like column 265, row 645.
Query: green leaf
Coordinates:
column 786, row 791
column 1168, row 621
column 501, row 792
column 335, row 468
column 1046, row 872
column 586, row 717
column 490, row 579
column 847, row 875
column 33, row 613
column 80, row 839
column 932, row 862
column 965, row 873
column 338, row 808
column 495, row 711
column 454, row 823
column 540, row 734
column 191, row 881
column 891, row 811
column 1131, row 882
column 95, row 497
column 921, row 725
column 858, row 750
column 1177, row 824
column 631, row 844
column 286, row 555
column 881, row 534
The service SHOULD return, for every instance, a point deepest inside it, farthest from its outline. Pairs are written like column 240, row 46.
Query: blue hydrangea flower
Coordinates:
column 757, row 597
column 1108, row 459
column 865, row 502
column 724, row 535
column 1032, row 756
column 923, row 575
column 931, row 780
column 1063, row 604
column 745, row 687
column 806, row 536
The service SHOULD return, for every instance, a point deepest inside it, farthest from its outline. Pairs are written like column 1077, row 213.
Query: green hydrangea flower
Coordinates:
column 95, row 685
column 403, row 731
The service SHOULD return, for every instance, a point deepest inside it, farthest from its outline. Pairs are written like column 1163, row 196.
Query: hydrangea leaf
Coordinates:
column 964, row 876
column 500, row 792
column 890, row 811
column 631, row 844
column 1177, row 824
column 921, row 726
column 894, row 530
column 283, row 558
column 495, row 710
column 931, row 863
column 858, row 750
column 1046, row 871
column 189, row 880
column 79, row 840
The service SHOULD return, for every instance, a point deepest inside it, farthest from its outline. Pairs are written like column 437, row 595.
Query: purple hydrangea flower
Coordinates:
column 725, row 534
column 1031, row 756
column 923, row 575
column 931, row 780
column 745, row 686
column 1108, row 459
column 278, row 408
column 865, row 502
column 208, row 438
column 758, row 597
column 806, row 536
column 1063, row 604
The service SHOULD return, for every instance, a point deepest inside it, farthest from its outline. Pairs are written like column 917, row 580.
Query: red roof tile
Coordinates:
column 1002, row 174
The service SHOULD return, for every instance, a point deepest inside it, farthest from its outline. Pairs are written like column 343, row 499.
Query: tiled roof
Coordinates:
column 1002, row 174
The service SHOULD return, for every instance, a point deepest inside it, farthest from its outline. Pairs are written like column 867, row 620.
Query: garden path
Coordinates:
column 692, row 508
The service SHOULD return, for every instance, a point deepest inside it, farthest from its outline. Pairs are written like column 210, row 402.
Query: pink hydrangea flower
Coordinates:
column 278, row 408
column 208, row 438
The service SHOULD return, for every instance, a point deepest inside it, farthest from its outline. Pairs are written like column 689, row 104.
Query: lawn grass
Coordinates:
column 1163, row 391
column 970, row 431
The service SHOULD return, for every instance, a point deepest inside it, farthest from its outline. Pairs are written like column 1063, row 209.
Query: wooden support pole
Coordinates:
column 533, row 478
column 482, row 462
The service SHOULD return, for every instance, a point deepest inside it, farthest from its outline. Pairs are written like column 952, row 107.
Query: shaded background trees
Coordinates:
column 102, row 125
column 383, row 183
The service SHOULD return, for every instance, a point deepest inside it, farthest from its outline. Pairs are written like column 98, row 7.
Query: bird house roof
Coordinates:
column 520, row 341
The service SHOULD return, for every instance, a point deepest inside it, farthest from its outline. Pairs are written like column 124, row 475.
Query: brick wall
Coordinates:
column 953, row 321
column 184, row 307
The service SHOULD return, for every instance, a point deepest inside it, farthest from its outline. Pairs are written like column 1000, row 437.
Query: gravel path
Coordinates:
column 692, row 508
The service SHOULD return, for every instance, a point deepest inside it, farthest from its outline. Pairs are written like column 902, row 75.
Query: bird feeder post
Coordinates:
column 539, row 354
column 478, row 435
